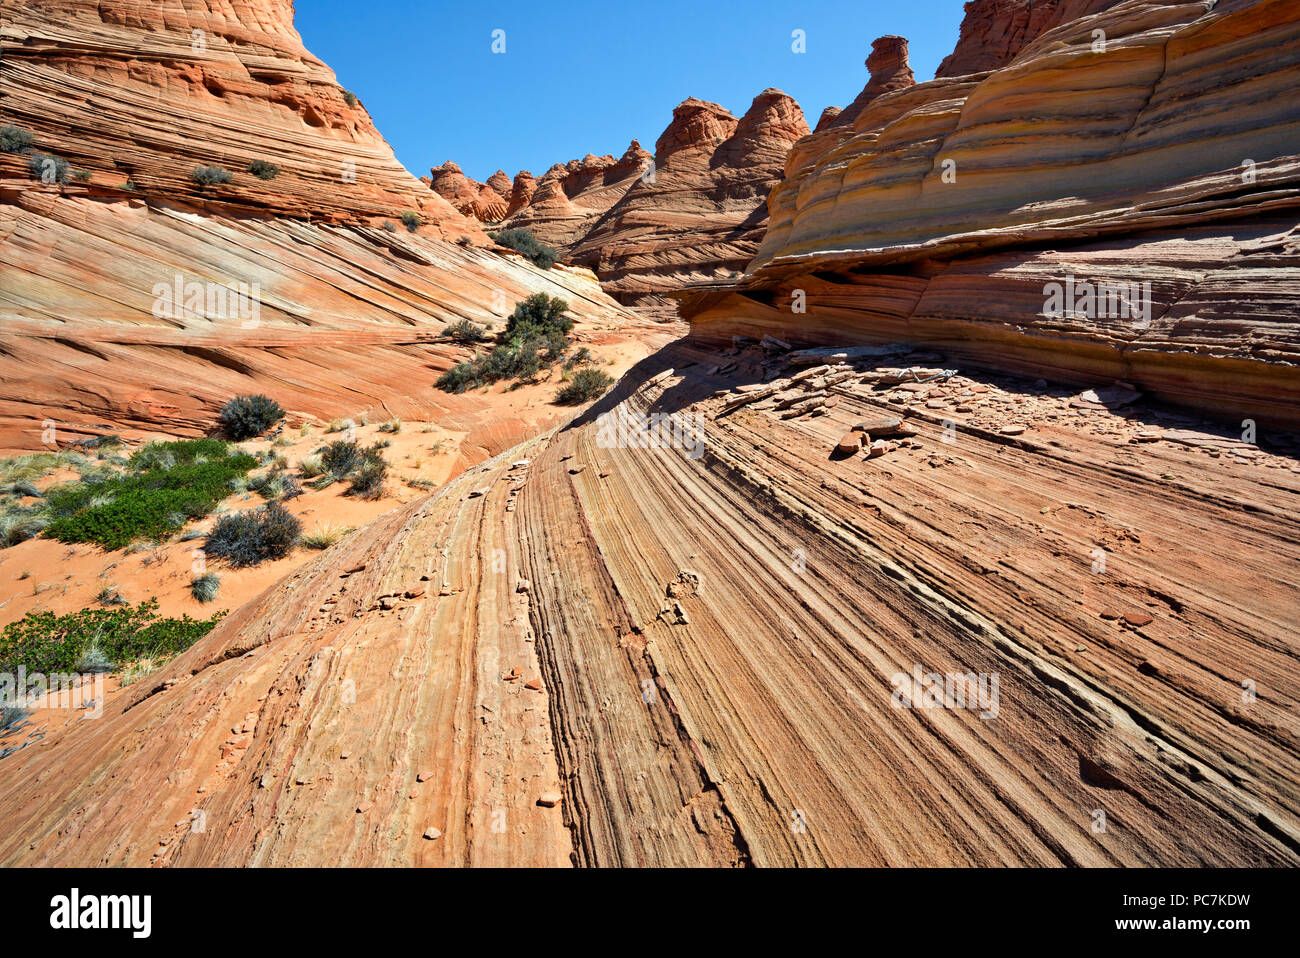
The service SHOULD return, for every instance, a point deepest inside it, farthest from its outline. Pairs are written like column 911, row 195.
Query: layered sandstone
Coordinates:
column 482, row 201
column 632, row 655
column 702, row 213
column 1160, row 163
column 562, row 207
column 140, row 94
column 309, row 291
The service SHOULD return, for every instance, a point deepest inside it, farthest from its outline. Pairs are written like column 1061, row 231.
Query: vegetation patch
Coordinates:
column 536, row 336
column 210, row 175
column 164, row 486
column 48, row 168
column 14, row 139
column 263, row 169
column 523, row 241
column 586, row 385
column 247, row 416
column 254, row 536
column 47, row 643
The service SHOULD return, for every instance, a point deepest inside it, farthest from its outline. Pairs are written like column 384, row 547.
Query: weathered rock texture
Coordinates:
column 696, row 654
column 145, row 92
column 347, row 312
column 562, row 207
column 694, row 211
column 944, row 210
column 479, row 200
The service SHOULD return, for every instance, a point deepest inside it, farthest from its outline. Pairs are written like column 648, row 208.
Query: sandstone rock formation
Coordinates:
column 562, row 207
column 479, row 200
column 994, row 31
column 308, row 288
column 1157, row 168
column 694, row 210
column 638, row 656
column 139, row 95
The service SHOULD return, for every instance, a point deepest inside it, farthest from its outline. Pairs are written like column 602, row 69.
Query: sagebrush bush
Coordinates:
column 254, row 536
column 245, row 417
column 14, row 139
column 367, row 482
column 586, row 385
column 47, row 643
column 263, row 169
column 341, row 458
column 48, row 168
column 411, row 220
column 465, row 332
column 523, row 241
column 276, row 485
column 389, row 226
column 205, row 587
column 210, row 175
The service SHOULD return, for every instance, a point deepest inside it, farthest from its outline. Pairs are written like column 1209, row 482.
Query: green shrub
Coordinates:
column 581, row 357
column 276, row 485
column 411, row 220
column 523, row 241
column 390, row 226
column 255, row 536
column 587, row 384
column 263, row 170
column 14, row 139
column 210, row 175
column 172, row 483
column 81, row 176
column 543, row 319
column 349, row 98
column 393, row 425
column 48, row 643
column 465, row 332
column 247, row 416
column 205, row 587
column 341, row 458
column 48, row 168
column 367, row 482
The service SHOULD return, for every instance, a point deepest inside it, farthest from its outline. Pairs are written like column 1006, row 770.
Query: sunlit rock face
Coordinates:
column 1146, row 151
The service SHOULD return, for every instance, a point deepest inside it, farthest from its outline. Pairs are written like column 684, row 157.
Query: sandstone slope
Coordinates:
column 629, row 656
column 1164, row 157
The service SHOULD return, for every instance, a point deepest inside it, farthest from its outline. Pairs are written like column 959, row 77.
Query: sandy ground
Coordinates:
column 43, row 574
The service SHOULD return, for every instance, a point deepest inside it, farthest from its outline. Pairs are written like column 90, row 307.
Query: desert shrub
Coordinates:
column 539, row 317
column 48, row 168
column 340, row 459
column 311, row 466
column 523, row 241
column 340, row 425
column 465, row 332
column 393, row 425
column 247, row 416
column 111, row 594
column 390, row 226
column 581, row 357
column 322, row 537
column 173, row 482
column 411, row 220
column 367, row 482
column 263, row 170
column 349, row 98
column 48, row 643
column 81, row 176
column 18, row 524
column 209, row 175
column 14, row 139
column 254, row 536
column 205, row 587
column 276, row 485
column 587, row 384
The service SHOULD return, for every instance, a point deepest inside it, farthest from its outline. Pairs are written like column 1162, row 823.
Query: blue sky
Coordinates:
column 581, row 77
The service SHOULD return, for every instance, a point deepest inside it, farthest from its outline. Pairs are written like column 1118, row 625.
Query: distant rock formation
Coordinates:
column 482, row 201
column 646, row 223
column 1143, row 156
